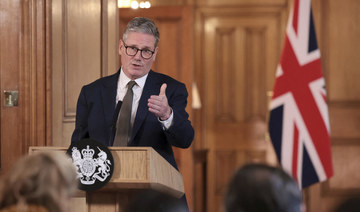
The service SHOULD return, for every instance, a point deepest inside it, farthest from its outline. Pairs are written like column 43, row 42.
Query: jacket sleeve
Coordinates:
column 181, row 132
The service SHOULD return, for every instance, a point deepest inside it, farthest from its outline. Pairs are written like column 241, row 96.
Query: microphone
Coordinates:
column 116, row 114
column 114, row 120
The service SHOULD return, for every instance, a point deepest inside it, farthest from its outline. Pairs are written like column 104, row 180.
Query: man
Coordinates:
column 262, row 188
column 158, row 116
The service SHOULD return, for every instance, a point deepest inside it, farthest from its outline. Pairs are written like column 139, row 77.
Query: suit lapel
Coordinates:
column 108, row 95
column 151, row 87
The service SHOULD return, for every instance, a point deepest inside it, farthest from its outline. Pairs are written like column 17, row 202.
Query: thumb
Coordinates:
column 162, row 89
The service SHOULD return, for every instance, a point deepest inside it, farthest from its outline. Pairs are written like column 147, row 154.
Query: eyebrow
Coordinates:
column 136, row 46
column 145, row 48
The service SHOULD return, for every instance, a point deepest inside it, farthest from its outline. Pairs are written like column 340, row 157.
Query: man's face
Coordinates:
column 136, row 66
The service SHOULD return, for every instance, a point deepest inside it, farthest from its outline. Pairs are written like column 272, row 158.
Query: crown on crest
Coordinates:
column 87, row 153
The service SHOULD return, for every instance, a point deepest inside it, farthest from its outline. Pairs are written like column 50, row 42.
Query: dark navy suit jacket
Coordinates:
column 96, row 108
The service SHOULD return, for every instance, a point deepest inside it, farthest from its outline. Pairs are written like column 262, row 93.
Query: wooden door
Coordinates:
column 238, row 52
column 11, row 147
column 23, row 69
column 175, row 58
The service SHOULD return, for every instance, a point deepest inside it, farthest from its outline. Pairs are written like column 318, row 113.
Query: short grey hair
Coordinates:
column 142, row 25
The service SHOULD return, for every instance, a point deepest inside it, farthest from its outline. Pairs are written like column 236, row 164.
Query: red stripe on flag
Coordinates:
column 295, row 15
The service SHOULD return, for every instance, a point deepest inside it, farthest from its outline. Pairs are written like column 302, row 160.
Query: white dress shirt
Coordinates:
column 137, row 90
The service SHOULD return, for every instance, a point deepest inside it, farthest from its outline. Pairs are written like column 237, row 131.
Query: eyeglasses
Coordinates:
column 132, row 51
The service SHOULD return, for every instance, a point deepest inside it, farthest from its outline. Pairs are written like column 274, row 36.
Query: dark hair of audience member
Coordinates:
column 262, row 188
column 351, row 204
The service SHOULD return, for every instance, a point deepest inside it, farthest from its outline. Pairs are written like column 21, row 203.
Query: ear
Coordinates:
column 155, row 53
column 121, row 46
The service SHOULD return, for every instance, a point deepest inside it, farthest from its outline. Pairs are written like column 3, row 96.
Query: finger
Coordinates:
column 154, row 106
column 162, row 89
column 154, row 109
column 155, row 100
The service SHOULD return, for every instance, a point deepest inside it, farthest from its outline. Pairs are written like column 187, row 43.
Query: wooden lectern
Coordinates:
column 135, row 168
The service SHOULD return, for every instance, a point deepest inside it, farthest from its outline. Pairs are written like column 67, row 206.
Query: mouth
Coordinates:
column 136, row 65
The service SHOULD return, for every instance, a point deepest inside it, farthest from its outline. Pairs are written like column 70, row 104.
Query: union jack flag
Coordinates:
column 299, row 122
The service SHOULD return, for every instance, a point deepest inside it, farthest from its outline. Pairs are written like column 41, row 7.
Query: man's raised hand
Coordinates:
column 159, row 104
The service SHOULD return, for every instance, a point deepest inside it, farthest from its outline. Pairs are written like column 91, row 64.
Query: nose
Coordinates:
column 138, row 55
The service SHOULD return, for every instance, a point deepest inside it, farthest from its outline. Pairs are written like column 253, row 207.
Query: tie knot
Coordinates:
column 131, row 84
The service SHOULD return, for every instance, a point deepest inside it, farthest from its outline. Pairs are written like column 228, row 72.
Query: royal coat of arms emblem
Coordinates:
column 89, row 168
column 94, row 164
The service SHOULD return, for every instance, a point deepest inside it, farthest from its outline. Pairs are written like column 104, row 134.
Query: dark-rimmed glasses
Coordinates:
column 132, row 51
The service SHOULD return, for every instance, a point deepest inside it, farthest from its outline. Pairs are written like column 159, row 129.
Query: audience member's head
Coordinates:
column 349, row 205
column 155, row 201
column 45, row 179
column 262, row 188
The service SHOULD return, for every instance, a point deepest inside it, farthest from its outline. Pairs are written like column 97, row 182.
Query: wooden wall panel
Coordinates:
column 339, row 48
column 82, row 55
column 84, row 49
column 341, row 21
column 228, row 161
column 345, row 182
column 226, row 61
column 169, row 48
column 58, row 67
column 345, row 120
column 225, row 166
column 343, row 152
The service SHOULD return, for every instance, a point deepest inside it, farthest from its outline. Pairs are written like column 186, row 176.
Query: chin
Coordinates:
column 138, row 72
column 135, row 75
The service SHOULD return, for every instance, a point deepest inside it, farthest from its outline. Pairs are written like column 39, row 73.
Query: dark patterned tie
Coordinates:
column 123, row 123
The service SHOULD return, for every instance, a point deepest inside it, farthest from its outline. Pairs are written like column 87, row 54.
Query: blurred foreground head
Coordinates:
column 262, row 188
column 45, row 179
column 351, row 204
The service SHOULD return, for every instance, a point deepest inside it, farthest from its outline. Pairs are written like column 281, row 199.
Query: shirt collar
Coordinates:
column 124, row 80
